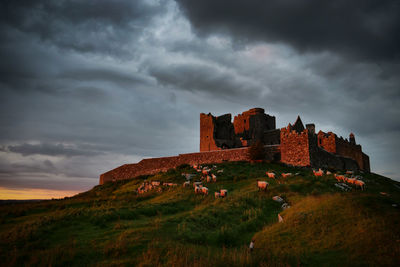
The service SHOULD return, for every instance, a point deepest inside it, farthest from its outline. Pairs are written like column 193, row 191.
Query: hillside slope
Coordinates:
column 111, row 225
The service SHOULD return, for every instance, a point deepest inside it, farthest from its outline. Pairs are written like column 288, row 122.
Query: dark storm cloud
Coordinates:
column 87, row 26
column 49, row 150
column 197, row 78
column 366, row 29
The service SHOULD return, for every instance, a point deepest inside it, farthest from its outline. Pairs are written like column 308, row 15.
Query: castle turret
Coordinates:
column 352, row 139
column 311, row 128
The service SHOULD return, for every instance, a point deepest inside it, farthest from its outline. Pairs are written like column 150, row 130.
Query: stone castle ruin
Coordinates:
column 223, row 140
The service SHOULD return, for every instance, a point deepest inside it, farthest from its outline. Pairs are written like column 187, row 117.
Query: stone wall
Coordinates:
column 366, row 165
column 327, row 141
column 155, row 165
column 207, row 142
column 321, row 158
column 253, row 123
column 349, row 149
column 294, row 147
column 346, row 149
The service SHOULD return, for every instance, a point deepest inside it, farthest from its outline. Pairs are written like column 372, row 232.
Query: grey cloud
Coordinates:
column 49, row 150
column 85, row 26
column 362, row 29
column 113, row 76
column 205, row 78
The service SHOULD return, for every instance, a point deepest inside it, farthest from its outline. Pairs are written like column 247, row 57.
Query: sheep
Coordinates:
column 197, row 190
column 285, row 206
column 318, row 173
column 284, row 175
column 340, row 178
column 155, row 183
column 205, row 171
column 204, row 190
column 214, row 178
column 185, row 184
column 270, row 174
column 223, row 192
column 360, row 184
column 170, row 184
column 351, row 180
column 217, row 195
column 328, row 173
column 262, row 185
column 277, row 199
column 220, row 171
column 208, row 179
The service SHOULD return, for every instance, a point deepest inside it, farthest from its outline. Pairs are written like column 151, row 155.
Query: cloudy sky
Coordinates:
column 87, row 86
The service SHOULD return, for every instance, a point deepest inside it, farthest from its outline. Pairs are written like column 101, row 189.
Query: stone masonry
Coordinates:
column 221, row 140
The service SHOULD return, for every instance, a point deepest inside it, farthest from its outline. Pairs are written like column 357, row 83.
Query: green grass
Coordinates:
column 111, row 225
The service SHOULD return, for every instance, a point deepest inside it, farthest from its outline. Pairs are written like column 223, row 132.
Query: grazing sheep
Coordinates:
column 318, row 173
column 360, row 184
column 328, row 173
column 186, row 184
column 270, row 174
column 340, row 178
column 208, row 179
column 220, row 171
column 280, row 219
column 284, row 175
column 217, row 195
column 223, row 192
column 351, row 180
column 197, row 190
column 262, row 185
column 155, row 183
column 214, row 177
column 277, row 199
column 204, row 190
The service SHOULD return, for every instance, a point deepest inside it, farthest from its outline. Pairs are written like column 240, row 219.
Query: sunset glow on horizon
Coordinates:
column 31, row 193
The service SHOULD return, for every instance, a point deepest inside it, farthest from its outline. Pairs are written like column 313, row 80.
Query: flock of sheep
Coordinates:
column 347, row 178
column 149, row 185
column 209, row 177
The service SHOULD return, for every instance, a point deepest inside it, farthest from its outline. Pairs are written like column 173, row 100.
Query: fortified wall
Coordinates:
column 223, row 140
column 155, row 165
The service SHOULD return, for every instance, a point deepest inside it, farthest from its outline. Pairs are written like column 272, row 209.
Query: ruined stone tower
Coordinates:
column 218, row 133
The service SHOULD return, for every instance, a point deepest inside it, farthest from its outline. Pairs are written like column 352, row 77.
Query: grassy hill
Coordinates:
column 111, row 225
